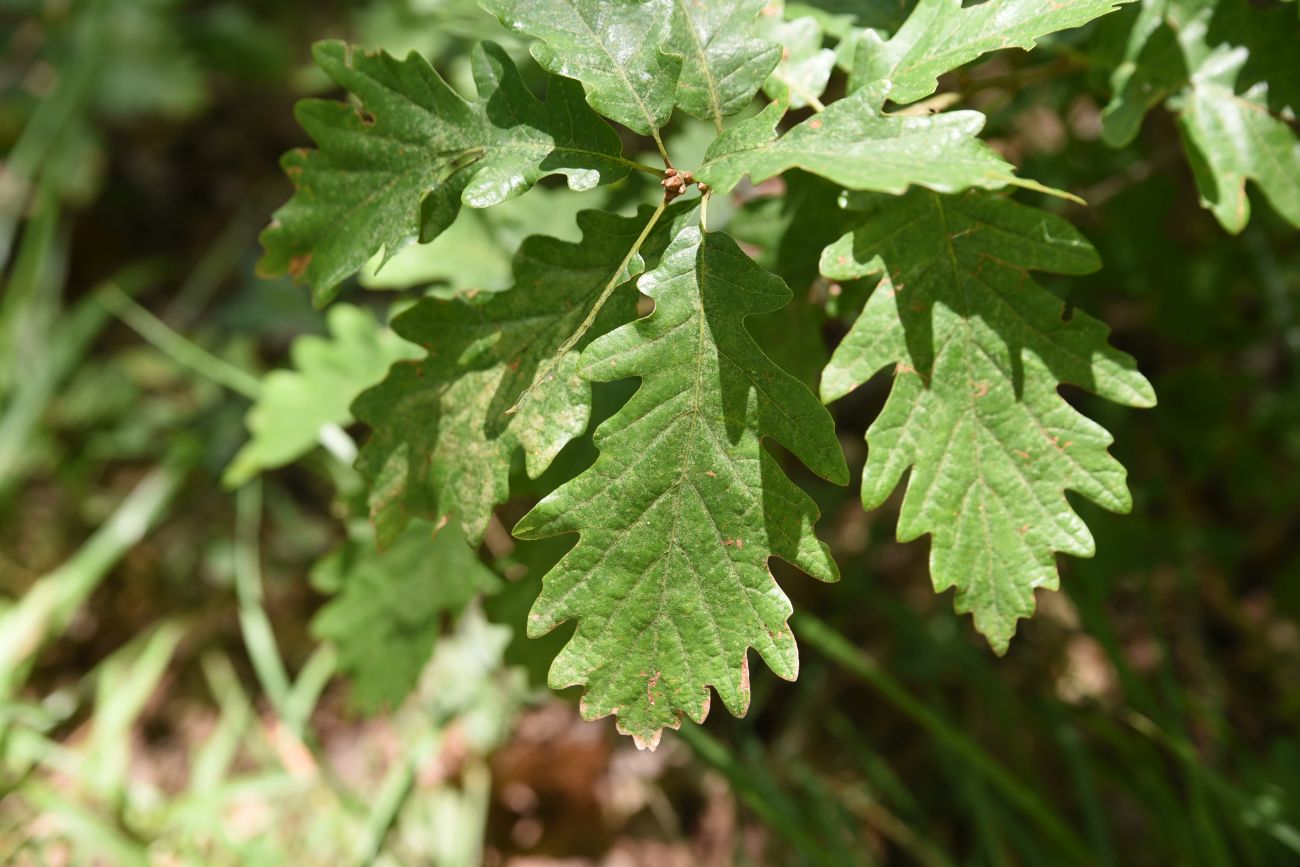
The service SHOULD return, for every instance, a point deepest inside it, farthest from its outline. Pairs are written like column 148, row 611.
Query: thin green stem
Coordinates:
column 1029, row 184
column 642, row 167
column 618, row 278
column 182, row 350
column 663, row 151
column 292, row 702
column 254, row 623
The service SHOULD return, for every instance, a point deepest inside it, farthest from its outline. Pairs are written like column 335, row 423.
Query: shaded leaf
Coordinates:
column 387, row 607
column 791, row 228
column 1228, row 70
column 669, row 581
column 805, row 66
column 399, row 167
column 978, row 351
column 475, row 251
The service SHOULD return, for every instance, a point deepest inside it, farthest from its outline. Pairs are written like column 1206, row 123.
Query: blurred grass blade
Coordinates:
column 1033, row 805
column 102, row 841
column 392, row 794
column 53, row 115
column 49, row 605
column 259, row 638
column 179, row 348
column 67, row 347
column 221, row 257
column 1077, row 763
column 778, row 812
column 126, row 681
column 215, row 755
column 1206, row 777
column 306, row 690
column 30, row 301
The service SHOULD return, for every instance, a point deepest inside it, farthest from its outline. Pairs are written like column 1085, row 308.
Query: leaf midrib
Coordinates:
column 712, row 83
column 618, row 67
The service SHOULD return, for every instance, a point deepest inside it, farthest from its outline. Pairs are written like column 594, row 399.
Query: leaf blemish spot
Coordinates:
column 298, row 264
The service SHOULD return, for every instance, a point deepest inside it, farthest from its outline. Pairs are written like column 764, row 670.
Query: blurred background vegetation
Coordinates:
column 197, row 638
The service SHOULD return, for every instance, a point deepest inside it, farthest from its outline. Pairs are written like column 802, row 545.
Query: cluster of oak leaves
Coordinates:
column 678, row 516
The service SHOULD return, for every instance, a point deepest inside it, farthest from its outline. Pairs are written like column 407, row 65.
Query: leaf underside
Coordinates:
column 669, row 581
column 978, row 351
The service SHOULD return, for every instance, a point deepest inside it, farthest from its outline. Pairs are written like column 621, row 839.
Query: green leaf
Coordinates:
column 1228, row 70
column 723, row 62
column 669, row 581
column 941, row 35
column 614, row 47
column 1233, row 139
column 855, row 145
column 443, row 441
column 805, row 66
column 399, row 167
column 475, row 251
column 295, row 408
column 978, row 351
column 387, row 607
column 791, row 227
column 789, row 230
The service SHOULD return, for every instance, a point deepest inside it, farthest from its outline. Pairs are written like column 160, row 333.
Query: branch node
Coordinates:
column 675, row 183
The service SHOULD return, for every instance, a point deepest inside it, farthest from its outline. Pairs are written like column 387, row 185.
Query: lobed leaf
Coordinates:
column 724, row 62
column 978, row 351
column 398, row 167
column 388, row 606
column 614, row 47
column 1233, row 139
column 1228, row 70
column 855, row 145
column 442, row 439
column 941, row 35
column 669, row 580
column 297, row 407
column 805, row 66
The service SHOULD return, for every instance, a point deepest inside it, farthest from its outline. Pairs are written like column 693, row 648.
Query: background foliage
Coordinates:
column 185, row 676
